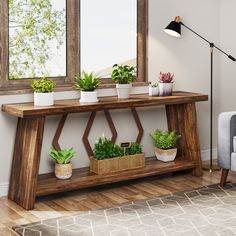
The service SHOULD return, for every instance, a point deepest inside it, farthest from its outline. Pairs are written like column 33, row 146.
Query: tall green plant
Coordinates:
column 165, row 140
column 43, row 85
column 87, row 81
column 63, row 156
column 123, row 74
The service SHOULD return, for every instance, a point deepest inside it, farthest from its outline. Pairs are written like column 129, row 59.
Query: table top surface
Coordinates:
column 24, row 110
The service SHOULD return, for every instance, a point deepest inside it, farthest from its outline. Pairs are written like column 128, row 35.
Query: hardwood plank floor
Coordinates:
column 99, row 197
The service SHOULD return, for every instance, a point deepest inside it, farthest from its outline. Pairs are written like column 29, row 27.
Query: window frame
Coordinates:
column 73, row 50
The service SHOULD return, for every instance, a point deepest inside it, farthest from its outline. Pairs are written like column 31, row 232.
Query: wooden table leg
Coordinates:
column 183, row 118
column 26, row 158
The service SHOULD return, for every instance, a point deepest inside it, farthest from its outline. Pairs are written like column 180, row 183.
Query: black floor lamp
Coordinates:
column 174, row 29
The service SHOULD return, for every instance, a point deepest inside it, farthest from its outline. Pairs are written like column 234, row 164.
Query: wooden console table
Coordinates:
column 26, row 184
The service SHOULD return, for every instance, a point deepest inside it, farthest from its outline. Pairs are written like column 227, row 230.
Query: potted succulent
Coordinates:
column 109, row 157
column 153, row 89
column 87, row 83
column 165, row 144
column 43, row 91
column 63, row 167
column 166, row 84
column 124, row 76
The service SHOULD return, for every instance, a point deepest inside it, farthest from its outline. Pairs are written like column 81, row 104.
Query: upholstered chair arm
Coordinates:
column 226, row 132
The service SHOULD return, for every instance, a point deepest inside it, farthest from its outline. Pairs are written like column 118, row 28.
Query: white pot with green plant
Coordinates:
column 63, row 166
column 124, row 76
column 87, row 83
column 165, row 144
column 43, row 91
column 166, row 84
column 153, row 89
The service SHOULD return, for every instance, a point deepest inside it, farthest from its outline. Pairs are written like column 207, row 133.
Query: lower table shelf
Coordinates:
column 83, row 178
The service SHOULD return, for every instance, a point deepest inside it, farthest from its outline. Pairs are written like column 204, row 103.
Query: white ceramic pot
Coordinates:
column 165, row 89
column 165, row 155
column 43, row 99
column 123, row 90
column 63, row 171
column 153, row 91
column 89, row 96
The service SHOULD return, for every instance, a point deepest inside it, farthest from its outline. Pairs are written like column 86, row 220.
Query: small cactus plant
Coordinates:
column 166, row 77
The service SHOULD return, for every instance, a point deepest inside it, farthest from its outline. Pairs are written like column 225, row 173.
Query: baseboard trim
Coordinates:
column 205, row 157
column 4, row 189
column 206, row 154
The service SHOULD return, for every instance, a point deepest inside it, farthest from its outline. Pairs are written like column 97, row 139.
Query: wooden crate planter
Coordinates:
column 117, row 164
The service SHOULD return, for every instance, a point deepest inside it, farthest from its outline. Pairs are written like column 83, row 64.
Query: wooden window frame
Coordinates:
column 73, row 50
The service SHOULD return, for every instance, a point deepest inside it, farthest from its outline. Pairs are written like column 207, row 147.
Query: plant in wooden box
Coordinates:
column 43, row 91
column 87, row 83
column 166, row 84
column 124, row 76
column 165, row 144
column 111, row 158
column 63, row 166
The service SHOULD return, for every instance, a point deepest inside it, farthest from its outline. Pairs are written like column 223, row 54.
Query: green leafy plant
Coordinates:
column 105, row 149
column 62, row 156
column 165, row 140
column 154, row 85
column 123, row 74
column 87, row 81
column 135, row 148
column 43, row 85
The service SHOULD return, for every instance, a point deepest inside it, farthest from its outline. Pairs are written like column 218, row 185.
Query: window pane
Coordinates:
column 37, row 38
column 108, row 34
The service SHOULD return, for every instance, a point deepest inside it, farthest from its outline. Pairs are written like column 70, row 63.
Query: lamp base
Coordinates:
column 211, row 168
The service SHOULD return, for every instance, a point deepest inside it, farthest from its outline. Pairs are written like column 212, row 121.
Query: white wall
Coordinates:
column 227, row 80
column 187, row 57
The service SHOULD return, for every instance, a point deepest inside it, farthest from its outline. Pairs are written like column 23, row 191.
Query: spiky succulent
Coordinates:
column 166, row 77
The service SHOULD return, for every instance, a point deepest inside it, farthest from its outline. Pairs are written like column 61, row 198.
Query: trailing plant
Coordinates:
column 105, row 149
column 165, row 140
column 87, row 81
column 135, row 148
column 62, row 156
column 123, row 74
column 166, row 77
column 43, row 85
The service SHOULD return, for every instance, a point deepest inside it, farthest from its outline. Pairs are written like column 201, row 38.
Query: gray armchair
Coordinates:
column 226, row 144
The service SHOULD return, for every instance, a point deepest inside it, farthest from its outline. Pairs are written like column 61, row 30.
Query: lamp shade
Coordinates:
column 174, row 29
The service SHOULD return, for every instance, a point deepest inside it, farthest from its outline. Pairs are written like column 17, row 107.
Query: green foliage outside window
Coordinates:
column 33, row 26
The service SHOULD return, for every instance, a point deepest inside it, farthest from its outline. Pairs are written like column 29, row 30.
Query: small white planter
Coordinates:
column 153, row 91
column 43, row 99
column 123, row 90
column 63, row 171
column 165, row 89
column 165, row 155
column 88, row 96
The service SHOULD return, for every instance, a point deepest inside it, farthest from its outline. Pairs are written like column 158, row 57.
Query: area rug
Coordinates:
column 205, row 211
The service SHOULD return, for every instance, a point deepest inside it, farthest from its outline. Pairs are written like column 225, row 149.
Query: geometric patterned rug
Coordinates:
column 205, row 211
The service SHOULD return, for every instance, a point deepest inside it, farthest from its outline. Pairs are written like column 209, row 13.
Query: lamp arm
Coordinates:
column 211, row 44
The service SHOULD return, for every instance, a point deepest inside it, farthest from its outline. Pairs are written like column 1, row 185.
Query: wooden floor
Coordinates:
column 100, row 197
